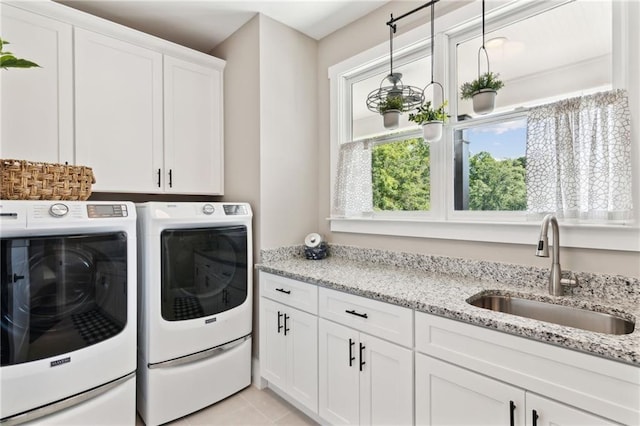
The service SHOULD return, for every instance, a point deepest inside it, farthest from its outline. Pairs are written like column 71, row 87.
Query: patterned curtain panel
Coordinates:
column 579, row 158
column 353, row 195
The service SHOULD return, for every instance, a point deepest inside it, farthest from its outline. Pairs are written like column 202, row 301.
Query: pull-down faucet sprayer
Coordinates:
column 555, row 277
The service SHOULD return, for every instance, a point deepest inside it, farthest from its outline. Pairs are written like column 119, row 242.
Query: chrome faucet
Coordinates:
column 555, row 277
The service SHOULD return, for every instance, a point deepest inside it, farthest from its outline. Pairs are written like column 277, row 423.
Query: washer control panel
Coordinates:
column 208, row 209
column 107, row 210
column 58, row 210
column 234, row 209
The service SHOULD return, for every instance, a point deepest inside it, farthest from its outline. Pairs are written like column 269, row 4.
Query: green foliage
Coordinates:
column 488, row 80
column 425, row 113
column 497, row 184
column 401, row 176
column 8, row 60
column 394, row 102
column 402, row 181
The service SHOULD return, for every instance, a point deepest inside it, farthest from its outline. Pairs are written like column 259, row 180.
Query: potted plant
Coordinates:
column 8, row 60
column 432, row 120
column 482, row 92
column 390, row 108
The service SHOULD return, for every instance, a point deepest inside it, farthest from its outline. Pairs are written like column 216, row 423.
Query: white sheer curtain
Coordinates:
column 579, row 158
column 353, row 194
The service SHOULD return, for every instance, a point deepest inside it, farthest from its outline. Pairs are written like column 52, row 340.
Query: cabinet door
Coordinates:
column 338, row 365
column 386, row 383
column 37, row 103
column 273, row 349
column 118, row 112
column 446, row 394
column 546, row 412
column 302, row 357
column 192, row 128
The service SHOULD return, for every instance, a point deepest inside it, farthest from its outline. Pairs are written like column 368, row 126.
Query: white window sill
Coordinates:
column 605, row 237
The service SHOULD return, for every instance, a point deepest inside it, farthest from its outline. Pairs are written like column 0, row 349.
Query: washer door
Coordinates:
column 60, row 294
column 204, row 271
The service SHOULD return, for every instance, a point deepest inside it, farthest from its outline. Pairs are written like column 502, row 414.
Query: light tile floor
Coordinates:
column 250, row 406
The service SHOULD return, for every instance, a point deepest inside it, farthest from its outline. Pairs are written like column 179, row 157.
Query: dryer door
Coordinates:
column 204, row 271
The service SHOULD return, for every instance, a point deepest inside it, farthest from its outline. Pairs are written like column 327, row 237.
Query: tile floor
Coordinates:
column 250, row 406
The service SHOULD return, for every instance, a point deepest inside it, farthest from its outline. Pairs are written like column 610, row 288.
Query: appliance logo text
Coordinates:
column 210, row 320
column 61, row 361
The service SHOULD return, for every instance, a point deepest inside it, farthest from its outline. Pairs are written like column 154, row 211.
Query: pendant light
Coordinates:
column 392, row 99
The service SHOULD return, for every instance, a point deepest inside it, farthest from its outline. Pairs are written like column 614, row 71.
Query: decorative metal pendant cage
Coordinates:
column 411, row 96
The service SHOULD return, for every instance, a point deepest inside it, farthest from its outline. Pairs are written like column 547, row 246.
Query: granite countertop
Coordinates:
column 441, row 286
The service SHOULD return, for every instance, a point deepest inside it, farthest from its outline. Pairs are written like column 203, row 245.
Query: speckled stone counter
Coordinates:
column 442, row 285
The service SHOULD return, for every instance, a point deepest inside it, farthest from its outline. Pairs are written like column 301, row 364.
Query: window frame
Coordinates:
column 443, row 221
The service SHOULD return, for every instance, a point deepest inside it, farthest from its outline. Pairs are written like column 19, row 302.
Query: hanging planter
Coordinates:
column 432, row 130
column 483, row 90
column 432, row 120
column 484, row 101
column 391, row 119
column 393, row 97
column 390, row 109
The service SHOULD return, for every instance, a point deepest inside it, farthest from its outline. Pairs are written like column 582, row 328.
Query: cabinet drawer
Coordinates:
column 294, row 293
column 380, row 319
column 608, row 388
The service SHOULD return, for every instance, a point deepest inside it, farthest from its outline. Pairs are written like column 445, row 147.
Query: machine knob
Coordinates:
column 58, row 210
column 208, row 209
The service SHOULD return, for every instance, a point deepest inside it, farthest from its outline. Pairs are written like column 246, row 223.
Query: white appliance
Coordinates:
column 68, row 312
column 194, row 306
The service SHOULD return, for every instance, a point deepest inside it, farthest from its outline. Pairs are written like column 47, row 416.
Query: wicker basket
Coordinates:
column 29, row 180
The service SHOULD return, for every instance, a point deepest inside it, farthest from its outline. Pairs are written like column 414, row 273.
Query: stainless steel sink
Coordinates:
column 557, row 314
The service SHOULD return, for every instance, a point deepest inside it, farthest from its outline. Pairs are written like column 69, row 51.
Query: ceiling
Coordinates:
column 202, row 25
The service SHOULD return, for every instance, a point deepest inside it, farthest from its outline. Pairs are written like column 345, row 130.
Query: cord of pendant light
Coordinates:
column 483, row 48
column 432, row 33
column 392, row 29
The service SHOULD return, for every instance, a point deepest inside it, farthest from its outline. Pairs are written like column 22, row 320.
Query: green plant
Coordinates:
column 391, row 103
column 8, row 60
column 426, row 112
column 488, row 80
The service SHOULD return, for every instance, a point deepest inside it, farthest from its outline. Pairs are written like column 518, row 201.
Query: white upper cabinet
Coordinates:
column 37, row 103
column 118, row 102
column 192, row 128
column 144, row 113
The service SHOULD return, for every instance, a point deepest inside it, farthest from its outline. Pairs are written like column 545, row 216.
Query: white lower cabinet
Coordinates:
column 546, row 412
column 289, row 351
column 448, row 394
column 349, row 359
column 289, row 338
column 470, row 375
column 363, row 379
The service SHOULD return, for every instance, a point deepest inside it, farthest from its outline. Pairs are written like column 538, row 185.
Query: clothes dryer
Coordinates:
column 195, row 306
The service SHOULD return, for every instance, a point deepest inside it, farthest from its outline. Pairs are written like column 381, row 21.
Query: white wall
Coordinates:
column 288, row 134
column 242, row 119
column 350, row 41
column 271, row 134
column 270, row 129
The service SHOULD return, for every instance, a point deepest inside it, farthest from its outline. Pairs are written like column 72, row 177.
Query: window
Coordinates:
column 401, row 175
column 490, row 166
column 473, row 182
column 557, row 53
